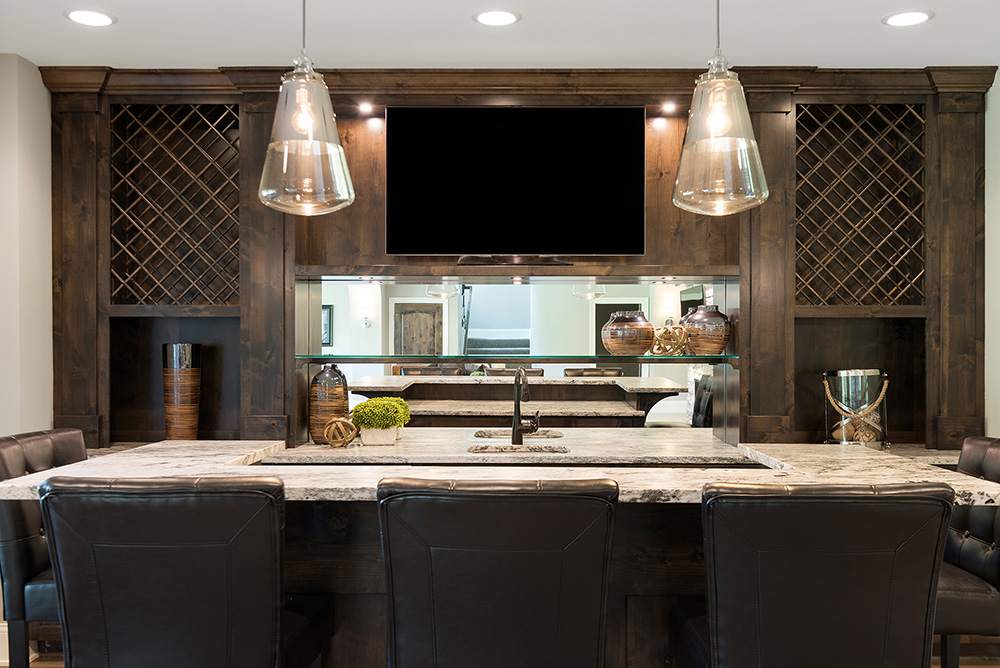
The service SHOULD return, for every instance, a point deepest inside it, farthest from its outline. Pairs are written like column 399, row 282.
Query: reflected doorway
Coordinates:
column 418, row 328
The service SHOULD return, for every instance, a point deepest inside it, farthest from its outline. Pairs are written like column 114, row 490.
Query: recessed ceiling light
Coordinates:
column 669, row 107
column 908, row 18
column 365, row 108
column 90, row 18
column 499, row 17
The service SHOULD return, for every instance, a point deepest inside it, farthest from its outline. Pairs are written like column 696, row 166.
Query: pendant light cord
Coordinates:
column 718, row 28
column 303, row 26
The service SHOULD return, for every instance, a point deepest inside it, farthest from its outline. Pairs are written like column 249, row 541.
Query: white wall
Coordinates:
column 993, row 260
column 25, row 248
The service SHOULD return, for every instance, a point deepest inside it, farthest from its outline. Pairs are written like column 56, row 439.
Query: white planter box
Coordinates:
column 378, row 436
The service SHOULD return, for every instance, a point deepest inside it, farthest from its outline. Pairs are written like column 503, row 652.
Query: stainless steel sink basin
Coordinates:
column 525, row 447
column 505, row 433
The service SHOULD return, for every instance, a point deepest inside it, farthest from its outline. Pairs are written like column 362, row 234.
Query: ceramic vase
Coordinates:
column 708, row 330
column 327, row 400
column 628, row 333
column 181, row 389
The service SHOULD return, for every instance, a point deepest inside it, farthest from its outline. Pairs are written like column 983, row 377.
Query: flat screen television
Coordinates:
column 515, row 181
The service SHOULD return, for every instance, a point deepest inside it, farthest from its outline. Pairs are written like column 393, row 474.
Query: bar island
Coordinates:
column 650, row 465
column 332, row 531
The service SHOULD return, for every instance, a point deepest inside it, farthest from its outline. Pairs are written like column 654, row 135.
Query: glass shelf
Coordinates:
column 732, row 360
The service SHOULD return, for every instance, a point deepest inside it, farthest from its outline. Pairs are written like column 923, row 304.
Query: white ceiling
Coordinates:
column 552, row 34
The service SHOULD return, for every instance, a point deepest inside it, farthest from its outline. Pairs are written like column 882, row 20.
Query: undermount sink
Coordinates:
column 523, row 447
column 505, row 433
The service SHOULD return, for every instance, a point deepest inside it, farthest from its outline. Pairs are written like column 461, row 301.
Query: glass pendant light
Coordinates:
column 719, row 171
column 589, row 291
column 305, row 170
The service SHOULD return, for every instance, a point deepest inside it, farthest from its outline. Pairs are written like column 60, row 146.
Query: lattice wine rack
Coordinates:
column 175, row 204
column 859, row 204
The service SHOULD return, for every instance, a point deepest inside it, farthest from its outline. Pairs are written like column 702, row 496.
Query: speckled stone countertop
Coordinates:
column 595, row 446
column 790, row 463
column 400, row 383
column 481, row 407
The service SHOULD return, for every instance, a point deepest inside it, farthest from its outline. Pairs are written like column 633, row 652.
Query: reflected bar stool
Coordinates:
column 816, row 576
column 172, row 572
column 968, row 601
column 496, row 574
column 29, row 590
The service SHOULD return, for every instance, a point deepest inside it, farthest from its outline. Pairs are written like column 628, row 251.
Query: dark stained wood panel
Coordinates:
column 76, row 195
column 768, row 274
column 136, row 375
column 895, row 345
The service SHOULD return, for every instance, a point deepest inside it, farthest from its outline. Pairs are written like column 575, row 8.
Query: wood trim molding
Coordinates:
column 629, row 86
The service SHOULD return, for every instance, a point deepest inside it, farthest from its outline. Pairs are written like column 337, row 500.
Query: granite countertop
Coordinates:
column 627, row 383
column 571, row 408
column 790, row 463
column 594, row 446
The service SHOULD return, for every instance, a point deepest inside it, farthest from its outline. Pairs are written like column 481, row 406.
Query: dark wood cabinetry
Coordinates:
column 869, row 251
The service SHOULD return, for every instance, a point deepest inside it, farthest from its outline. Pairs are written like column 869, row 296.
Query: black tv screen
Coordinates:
column 515, row 180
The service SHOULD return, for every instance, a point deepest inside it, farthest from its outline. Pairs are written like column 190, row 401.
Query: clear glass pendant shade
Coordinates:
column 305, row 170
column 719, row 171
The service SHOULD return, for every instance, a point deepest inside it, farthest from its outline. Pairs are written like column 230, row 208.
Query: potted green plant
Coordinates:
column 404, row 413
column 377, row 421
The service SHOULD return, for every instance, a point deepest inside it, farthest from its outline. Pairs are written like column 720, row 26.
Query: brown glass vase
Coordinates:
column 327, row 400
column 708, row 330
column 628, row 333
column 181, row 389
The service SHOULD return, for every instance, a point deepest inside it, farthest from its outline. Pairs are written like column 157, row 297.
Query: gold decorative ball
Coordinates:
column 339, row 432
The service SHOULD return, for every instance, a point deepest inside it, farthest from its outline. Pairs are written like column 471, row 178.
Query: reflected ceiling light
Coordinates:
column 589, row 291
column 908, row 18
column 516, row 280
column 442, row 291
column 498, row 17
column 90, row 18
column 659, row 123
column 719, row 171
column 305, row 170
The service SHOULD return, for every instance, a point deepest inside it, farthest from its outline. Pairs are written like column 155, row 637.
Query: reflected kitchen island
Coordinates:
column 465, row 401
column 332, row 534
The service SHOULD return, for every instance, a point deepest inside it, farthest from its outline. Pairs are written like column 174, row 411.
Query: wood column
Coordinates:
column 956, row 382
column 267, row 300
column 767, row 280
column 80, row 210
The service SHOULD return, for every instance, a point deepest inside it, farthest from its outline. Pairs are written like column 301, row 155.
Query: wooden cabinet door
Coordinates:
column 418, row 329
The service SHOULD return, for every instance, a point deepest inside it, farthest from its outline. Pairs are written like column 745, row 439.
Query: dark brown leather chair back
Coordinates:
column 29, row 593
column 972, row 537
column 496, row 574
column 822, row 575
column 168, row 572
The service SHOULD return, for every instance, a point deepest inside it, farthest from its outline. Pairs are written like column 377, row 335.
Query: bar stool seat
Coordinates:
column 966, row 604
column 29, row 587
column 169, row 572
column 496, row 574
column 824, row 576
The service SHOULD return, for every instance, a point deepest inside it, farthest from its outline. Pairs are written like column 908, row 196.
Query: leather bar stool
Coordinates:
column 495, row 574
column 171, row 572
column 29, row 590
column 968, row 601
column 823, row 576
